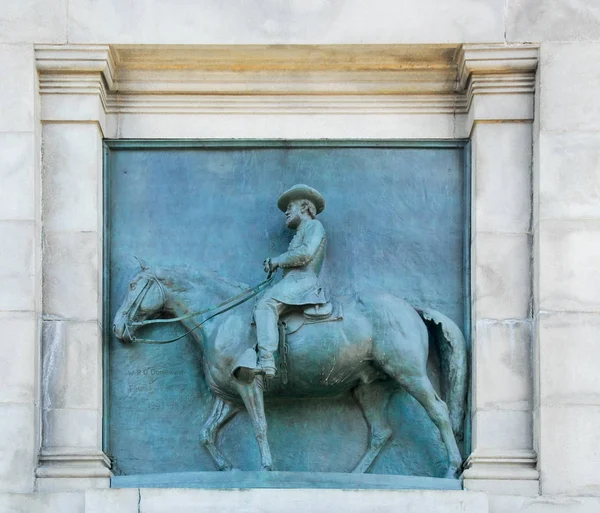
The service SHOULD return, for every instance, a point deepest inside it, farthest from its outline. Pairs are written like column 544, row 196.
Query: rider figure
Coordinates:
column 301, row 265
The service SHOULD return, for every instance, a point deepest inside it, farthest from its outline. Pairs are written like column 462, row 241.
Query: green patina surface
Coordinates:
column 396, row 221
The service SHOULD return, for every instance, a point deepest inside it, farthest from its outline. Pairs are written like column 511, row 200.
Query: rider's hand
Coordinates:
column 270, row 265
column 267, row 265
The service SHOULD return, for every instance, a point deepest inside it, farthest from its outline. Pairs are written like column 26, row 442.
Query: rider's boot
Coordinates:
column 266, row 364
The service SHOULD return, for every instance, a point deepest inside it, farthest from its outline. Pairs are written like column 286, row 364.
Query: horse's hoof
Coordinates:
column 267, row 468
column 452, row 473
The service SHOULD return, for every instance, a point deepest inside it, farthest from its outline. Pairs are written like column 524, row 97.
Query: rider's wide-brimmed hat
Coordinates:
column 301, row 191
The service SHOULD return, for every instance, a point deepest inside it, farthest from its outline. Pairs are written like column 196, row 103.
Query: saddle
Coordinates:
column 310, row 314
column 292, row 322
column 288, row 324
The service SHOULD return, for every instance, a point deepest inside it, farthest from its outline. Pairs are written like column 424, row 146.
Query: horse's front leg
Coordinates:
column 221, row 413
column 252, row 395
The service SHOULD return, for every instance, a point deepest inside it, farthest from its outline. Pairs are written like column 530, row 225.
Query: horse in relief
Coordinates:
column 381, row 343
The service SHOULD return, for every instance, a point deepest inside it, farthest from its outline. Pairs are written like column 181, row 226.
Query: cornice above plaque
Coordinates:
column 264, row 80
column 241, row 58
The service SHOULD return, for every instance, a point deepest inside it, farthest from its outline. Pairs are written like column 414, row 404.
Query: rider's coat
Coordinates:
column 301, row 265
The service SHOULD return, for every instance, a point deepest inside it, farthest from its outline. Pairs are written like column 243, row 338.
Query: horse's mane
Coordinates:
column 182, row 278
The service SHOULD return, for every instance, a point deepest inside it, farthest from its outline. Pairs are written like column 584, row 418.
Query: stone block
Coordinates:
column 55, row 485
column 569, row 457
column 568, row 255
column 501, row 276
column 75, row 428
column 34, row 21
column 60, row 502
column 76, row 108
column 42, row 503
column 558, row 504
column 18, row 341
column 17, row 447
column 72, row 365
column 502, row 370
column 315, row 501
column 501, row 177
column 569, row 86
column 502, row 429
column 123, row 500
column 506, row 503
column 72, row 177
column 17, row 176
column 17, row 265
column 289, row 126
column 71, row 275
column 552, row 20
column 17, row 85
column 569, row 358
column 568, row 187
column 348, row 22
column 503, row 487
column 492, row 108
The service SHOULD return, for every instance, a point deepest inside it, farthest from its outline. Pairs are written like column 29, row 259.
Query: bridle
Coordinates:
column 219, row 309
column 136, row 303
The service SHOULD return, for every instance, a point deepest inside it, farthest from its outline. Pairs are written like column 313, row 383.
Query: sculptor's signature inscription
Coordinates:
column 145, row 379
column 154, row 372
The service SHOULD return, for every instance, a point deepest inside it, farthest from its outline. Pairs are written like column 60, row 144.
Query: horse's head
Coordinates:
column 145, row 297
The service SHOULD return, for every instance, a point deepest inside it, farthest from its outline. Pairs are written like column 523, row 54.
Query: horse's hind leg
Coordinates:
column 220, row 414
column 252, row 395
column 373, row 398
column 422, row 390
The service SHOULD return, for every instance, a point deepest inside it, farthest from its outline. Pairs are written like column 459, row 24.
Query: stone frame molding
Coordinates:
column 481, row 92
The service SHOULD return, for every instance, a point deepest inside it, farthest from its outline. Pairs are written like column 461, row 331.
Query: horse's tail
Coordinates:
column 452, row 348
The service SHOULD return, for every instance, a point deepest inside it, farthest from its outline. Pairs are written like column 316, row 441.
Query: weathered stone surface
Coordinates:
column 17, row 176
column 72, row 174
column 288, row 126
column 18, row 334
column 552, row 20
column 569, row 85
column 17, row 447
column 570, row 458
column 42, row 503
column 502, row 368
column 71, row 277
column 347, row 22
column 34, row 21
column 502, row 429
column 71, row 364
column 501, row 281
column 72, row 428
column 17, row 94
column 17, row 265
column 112, row 501
column 569, row 358
column 501, row 177
column 570, row 188
column 569, row 252
column 317, row 501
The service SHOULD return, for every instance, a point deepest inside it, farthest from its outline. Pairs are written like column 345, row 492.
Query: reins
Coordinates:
column 229, row 303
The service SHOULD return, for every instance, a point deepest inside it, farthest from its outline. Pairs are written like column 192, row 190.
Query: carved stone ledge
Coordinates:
column 508, row 472
column 69, row 469
column 70, row 463
column 494, row 61
column 66, row 59
column 257, row 80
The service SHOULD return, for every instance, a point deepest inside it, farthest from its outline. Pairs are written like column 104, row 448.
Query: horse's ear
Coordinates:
column 143, row 264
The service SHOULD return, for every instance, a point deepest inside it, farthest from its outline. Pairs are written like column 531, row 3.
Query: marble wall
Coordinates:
column 537, row 346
